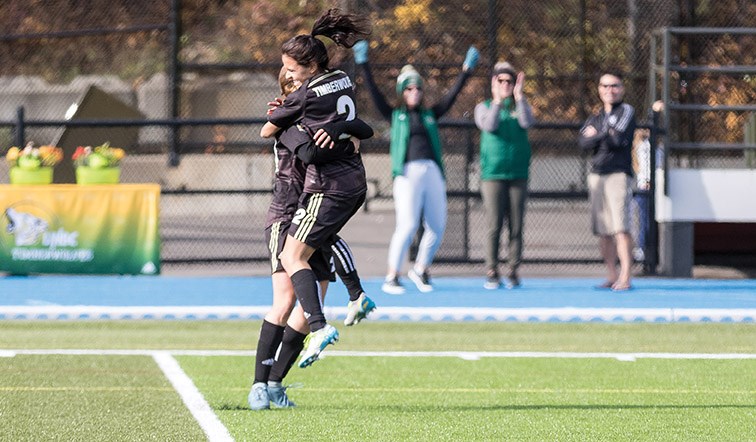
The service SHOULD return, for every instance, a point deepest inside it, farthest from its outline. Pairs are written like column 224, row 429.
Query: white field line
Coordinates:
column 467, row 355
column 198, row 406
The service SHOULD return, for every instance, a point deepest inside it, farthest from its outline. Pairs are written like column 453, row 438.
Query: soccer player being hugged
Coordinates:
column 335, row 186
column 284, row 327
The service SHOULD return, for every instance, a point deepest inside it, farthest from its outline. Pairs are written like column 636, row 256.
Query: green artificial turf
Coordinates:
column 371, row 398
column 450, row 399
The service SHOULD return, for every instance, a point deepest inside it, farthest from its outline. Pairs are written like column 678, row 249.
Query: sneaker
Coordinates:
column 513, row 281
column 278, row 397
column 316, row 342
column 358, row 310
column 392, row 286
column 492, row 281
column 421, row 280
column 258, row 396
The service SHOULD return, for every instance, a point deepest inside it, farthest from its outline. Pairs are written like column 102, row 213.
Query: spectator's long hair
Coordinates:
column 344, row 29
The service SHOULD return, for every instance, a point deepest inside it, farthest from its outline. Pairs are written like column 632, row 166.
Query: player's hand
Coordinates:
column 356, row 142
column 519, row 83
column 471, row 59
column 322, row 139
column 272, row 105
column 589, row 132
column 360, row 50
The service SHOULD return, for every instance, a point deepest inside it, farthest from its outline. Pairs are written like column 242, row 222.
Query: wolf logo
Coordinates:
column 26, row 227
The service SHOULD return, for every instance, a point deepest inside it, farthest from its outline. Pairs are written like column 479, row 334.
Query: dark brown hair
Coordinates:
column 344, row 29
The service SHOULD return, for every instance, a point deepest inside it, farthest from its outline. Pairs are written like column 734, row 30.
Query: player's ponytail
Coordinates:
column 344, row 29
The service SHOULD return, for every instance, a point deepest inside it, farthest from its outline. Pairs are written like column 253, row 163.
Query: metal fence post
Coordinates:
column 174, row 81
column 20, row 128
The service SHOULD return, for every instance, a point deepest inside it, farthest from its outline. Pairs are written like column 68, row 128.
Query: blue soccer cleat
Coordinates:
column 258, row 396
column 278, row 397
column 317, row 341
column 358, row 310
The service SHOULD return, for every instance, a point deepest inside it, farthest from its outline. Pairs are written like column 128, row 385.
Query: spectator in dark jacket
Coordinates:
column 608, row 136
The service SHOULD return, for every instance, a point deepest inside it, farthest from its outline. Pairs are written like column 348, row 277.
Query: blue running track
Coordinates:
column 455, row 299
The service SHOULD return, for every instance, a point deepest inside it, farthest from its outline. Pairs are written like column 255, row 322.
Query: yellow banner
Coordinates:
column 69, row 228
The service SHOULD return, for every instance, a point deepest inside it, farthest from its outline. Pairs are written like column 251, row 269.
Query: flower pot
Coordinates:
column 107, row 175
column 41, row 175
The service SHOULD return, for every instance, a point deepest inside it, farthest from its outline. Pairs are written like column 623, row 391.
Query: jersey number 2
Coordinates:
column 345, row 105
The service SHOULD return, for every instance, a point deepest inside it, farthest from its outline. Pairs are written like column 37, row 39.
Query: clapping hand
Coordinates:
column 519, row 83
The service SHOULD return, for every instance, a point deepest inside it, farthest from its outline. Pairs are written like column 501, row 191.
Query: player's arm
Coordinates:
column 307, row 149
column 334, row 141
column 269, row 129
column 283, row 114
column 328, row 135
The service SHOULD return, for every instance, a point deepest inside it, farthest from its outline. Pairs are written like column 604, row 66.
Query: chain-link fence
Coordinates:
column 199, row 74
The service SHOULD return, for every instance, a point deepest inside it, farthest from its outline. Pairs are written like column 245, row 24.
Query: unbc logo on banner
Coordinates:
column 71, row 229
column 37, row 236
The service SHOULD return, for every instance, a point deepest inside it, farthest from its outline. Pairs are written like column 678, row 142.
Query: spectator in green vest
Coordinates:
column 504, row 162
column 417, row 166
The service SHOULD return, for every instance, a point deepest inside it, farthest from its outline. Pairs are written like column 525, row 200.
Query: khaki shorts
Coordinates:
column 610, row 197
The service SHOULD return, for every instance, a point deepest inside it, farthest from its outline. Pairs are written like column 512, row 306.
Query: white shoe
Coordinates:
column 317, row 341
column 358, row 310
column 258, row 397
column 421, row 280
column 392, row 286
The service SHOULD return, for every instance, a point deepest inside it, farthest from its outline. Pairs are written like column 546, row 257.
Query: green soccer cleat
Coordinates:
column 258, row 396
column 358, row 310
column 316, row 342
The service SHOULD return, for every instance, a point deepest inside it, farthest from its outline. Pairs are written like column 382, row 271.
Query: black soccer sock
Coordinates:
column 270, row 339
column 307, row 290
column 346, row 269
column 291, row 345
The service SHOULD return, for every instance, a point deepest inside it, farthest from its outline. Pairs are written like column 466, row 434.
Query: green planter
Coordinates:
column 107, row 175
column 42, row 175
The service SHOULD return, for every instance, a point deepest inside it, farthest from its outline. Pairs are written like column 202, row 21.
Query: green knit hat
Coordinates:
column 408, row 76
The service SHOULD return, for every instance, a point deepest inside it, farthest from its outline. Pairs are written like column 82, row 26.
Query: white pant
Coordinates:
column 421, row 190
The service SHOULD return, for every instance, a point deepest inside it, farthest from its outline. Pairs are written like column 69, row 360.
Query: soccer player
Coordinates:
column 289, row 180
column 333, row 190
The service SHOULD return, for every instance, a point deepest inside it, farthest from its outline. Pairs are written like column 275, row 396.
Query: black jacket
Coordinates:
column 611, row 148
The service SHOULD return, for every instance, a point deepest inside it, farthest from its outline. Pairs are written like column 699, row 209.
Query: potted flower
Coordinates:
column 98, row 165
column 33, row 165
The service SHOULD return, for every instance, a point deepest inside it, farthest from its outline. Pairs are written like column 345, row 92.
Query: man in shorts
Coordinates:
column 608, row 136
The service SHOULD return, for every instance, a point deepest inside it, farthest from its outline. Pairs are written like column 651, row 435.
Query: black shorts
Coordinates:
column 320, row 217
column 321, row 262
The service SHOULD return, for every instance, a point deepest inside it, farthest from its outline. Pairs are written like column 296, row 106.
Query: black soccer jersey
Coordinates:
column 323, row 99
column 287, row 185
